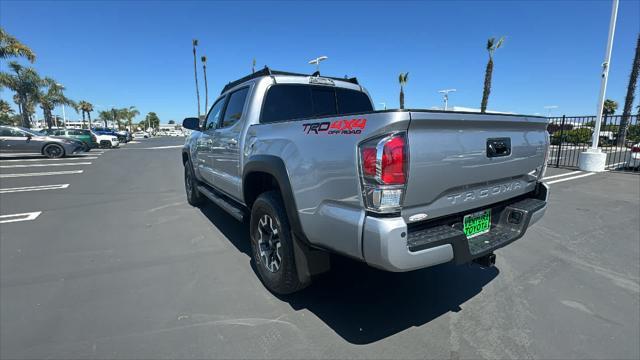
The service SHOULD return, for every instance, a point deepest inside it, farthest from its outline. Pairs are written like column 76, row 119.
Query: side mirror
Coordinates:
column 191, row 123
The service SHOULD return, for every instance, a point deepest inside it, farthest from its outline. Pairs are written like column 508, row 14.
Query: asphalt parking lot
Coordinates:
column 116, row 264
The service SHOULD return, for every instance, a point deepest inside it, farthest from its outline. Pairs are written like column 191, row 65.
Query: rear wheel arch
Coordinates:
column 267, row 172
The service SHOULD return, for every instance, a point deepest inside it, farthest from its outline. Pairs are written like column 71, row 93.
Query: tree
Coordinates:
column 12, row 47
column 195, row 73
column 25, row 82
column 86, row 108
column 609, row 108
column 129, row 114
column 206, row 87
column 6, row 113
column 492, row 46
column 106, row 116
column 51, row 95
column 152, row 120
column 628, row 101
column 402, row 79
column 171, row 122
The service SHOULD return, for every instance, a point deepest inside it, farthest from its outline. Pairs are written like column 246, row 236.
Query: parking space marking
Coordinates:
column 66, row 172
column 34, row 188
column 43, row 165
column 614, row 165
column 45, row 159
column 560, row 175
column 570, row 178
column 19, row 217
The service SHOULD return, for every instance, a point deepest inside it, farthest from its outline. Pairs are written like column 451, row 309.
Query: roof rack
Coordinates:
column 268, row 72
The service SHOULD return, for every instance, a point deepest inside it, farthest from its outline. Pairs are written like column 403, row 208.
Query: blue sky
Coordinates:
column 118, row 53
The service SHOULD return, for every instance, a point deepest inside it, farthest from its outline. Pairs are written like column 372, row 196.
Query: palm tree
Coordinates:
column 628, row 101
column 206, row 87
column 51, row 96
column 492, row 46
column 86, row 108
column 402, row 79
column 25, row 82
column 609, row 108
column 195, row 73
column 129, row 114
column 12, row 47
column 106, row 116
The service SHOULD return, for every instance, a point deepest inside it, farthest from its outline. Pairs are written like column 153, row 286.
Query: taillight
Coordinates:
column 383, row 164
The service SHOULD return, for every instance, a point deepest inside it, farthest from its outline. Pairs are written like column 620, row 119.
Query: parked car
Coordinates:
column 634, row 158
column 89, row 140
column 316, row 170
column 106, row 131
column 140, row 135
column 14, row 139
column 126, row 134
column 107, row 141
column 174, row 133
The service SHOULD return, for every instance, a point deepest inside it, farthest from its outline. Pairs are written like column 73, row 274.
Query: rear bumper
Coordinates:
column 389, row 244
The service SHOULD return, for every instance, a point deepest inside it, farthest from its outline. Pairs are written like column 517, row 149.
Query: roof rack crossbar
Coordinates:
column 266, row 71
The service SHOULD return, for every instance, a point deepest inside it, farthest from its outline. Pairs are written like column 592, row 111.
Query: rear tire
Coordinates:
column 53, row 151
column 272, row 245
column 194, row 197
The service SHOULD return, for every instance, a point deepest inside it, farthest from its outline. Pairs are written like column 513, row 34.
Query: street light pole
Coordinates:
column 605, row 74
column 317, row 61
column 593, row 159
column 445, row 95
column 64, row 117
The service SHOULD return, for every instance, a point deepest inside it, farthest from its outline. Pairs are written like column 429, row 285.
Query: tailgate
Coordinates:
column 460, row 162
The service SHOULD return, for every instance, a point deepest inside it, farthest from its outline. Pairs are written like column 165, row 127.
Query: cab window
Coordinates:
column 233, row 113
column 214, row 115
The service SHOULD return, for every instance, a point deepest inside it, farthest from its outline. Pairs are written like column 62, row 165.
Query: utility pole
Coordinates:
column 594, row 159
column 445, row 95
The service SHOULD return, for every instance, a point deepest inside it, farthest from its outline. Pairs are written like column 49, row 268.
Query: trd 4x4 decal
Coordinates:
column 338, row 127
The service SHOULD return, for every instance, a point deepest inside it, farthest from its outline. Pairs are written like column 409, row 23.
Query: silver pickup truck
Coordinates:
column 315, row 170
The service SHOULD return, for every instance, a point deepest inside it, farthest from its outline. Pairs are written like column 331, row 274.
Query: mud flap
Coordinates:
column 309, row 261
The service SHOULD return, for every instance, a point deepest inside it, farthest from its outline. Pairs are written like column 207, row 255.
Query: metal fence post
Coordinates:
column 560, row 143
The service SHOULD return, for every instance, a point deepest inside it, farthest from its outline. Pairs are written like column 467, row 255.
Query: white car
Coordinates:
column 107, row 141
column 174, row 133
column 634, row 159
column 140, row 135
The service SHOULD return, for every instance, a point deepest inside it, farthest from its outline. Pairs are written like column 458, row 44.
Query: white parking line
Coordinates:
column 67, row 172
column 45, row 159
column 43, row 165
column 34, row 188
column 570, row 178
column 19, row 217
column 614, row 165
column 560, row 175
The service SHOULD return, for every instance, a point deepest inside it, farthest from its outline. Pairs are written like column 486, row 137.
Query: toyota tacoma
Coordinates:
column 314, row 169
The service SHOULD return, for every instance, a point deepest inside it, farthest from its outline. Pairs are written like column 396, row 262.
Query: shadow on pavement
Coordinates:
column 363, row 304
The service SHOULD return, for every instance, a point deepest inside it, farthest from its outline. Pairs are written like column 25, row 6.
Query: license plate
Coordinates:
column 477, row 223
